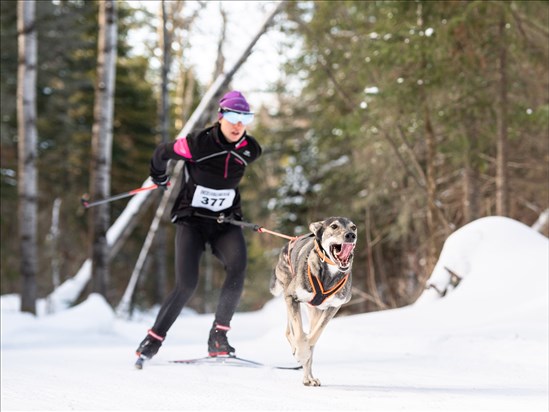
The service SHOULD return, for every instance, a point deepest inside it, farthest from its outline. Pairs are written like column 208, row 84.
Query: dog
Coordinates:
column 315, row 270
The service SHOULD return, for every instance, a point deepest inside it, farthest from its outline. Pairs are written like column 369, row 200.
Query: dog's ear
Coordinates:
column 316, row 229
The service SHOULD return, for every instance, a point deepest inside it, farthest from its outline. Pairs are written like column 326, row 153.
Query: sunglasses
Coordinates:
column 236, row 117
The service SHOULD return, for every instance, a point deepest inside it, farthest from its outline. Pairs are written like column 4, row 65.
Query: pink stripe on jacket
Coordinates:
column 181, row 147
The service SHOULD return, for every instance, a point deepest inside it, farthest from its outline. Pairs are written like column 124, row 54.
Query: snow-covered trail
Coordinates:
column 482, row 347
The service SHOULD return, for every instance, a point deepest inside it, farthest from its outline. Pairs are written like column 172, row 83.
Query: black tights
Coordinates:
column 228, row 245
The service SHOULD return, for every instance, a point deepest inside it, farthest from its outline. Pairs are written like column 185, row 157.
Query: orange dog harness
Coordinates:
column 320, row 295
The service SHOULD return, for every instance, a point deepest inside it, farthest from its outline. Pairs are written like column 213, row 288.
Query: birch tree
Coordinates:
column 27, row 134
column 101, row 158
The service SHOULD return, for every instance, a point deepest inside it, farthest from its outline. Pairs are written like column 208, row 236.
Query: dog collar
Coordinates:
column 322, row 254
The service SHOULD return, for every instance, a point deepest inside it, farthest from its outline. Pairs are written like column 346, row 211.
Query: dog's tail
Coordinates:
column 275, row 286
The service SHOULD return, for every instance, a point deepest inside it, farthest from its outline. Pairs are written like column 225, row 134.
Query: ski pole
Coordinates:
column 87, row 204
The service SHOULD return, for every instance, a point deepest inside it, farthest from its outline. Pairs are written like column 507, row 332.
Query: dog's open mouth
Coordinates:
column 342, row 253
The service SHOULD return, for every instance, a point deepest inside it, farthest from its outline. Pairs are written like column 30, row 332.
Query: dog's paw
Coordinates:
column 310, row 381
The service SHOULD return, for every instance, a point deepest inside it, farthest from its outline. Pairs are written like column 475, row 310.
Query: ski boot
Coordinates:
column 218, row 345
column 148, row 348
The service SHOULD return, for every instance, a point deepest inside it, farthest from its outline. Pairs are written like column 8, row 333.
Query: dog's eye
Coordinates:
column 333, row 226
column 353, row 228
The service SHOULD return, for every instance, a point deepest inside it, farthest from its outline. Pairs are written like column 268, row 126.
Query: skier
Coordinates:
column 215, row 160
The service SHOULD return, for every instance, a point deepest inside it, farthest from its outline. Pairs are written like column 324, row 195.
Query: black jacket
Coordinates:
column 211, row 162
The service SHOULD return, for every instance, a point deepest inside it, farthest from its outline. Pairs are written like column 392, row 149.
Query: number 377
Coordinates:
column 212, row 201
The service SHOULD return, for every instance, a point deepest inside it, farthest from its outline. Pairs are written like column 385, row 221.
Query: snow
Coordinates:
column 483, row 346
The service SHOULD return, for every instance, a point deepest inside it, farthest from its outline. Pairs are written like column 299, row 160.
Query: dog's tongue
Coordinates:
column 346, row 250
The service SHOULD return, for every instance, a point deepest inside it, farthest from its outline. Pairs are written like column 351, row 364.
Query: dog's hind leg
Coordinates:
column 294, row 329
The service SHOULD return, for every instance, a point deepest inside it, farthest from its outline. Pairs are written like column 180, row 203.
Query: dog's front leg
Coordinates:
column 308, row 378
column 319, row 320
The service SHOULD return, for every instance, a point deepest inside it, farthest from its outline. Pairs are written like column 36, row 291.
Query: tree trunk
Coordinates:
column 431, row 192
column 53, row 238
column 27, row 180
column 187, row 88
column 102, row 144
column 371, row 273
column 220, row 61
column 430, row 179
column 53, row 248
column 160, row 269
column 502, row 184
column 387, row 291
column 470, row 176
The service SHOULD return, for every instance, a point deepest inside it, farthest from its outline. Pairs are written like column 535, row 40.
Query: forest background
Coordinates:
column 412, row 118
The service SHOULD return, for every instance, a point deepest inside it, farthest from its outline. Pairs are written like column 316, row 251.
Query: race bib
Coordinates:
column 212, row 199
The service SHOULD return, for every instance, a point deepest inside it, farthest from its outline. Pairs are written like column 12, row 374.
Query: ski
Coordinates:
column 231, row 361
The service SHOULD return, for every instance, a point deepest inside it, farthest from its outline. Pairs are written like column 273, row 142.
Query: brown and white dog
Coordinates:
column 315, row 270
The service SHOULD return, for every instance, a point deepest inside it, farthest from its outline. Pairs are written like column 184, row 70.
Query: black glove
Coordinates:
column 162, row 181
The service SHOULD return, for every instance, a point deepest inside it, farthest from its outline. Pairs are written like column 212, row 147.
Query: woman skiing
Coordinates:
column 215, row 160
